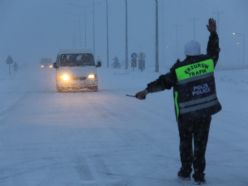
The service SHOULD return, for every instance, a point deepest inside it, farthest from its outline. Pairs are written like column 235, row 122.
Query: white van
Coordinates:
column 76, row 70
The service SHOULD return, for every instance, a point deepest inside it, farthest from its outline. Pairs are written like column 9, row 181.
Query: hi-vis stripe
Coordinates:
column 198, row 101
column 191, row 106
column 195, row 78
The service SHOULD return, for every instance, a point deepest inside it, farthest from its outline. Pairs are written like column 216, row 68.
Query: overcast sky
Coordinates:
column 31, row 29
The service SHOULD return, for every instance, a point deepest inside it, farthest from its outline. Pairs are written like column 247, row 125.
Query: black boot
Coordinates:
column 184, row 174
column 199, row 178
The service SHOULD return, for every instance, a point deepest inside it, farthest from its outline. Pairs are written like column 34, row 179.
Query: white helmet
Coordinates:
column 192, row 48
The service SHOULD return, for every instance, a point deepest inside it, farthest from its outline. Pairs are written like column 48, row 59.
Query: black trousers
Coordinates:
column 193, row 132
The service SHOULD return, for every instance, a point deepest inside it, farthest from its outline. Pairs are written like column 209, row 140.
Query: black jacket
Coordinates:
column 169, row 80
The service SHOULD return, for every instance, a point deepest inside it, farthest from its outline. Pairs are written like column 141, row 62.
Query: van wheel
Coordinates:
column 59, row 89
column 95, row 89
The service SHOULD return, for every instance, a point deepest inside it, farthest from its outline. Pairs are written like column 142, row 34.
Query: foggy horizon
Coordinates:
column 32, row 29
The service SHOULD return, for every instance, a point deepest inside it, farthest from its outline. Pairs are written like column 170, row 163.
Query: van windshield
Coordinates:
column 71, row 60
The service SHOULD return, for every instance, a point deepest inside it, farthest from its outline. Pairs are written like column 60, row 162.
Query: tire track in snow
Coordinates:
column 93, row 171
column 130, row 139
column 17, row 173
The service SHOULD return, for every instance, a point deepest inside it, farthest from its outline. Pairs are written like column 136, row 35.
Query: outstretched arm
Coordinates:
column 165, row 81
column 213, row 49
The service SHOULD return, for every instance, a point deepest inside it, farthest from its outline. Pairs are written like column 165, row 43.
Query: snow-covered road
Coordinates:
column 107, row 139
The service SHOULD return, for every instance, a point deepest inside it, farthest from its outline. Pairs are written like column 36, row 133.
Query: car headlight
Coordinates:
column 50, row 66
column 92, row 76
column 65, row 77
column 42, row 66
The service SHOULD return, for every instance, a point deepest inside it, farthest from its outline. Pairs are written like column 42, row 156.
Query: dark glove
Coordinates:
column 141, row 95
column 211, row 25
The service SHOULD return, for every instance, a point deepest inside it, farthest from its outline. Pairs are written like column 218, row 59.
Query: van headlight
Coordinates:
column 91, row 76
column 65, row 77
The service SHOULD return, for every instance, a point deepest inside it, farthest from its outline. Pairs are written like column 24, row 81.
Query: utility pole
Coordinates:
column 107, row 27
column 156, row 38
column 80, row 26
column 218, row 14
column 176, row 28
column 243, row 38
column 85, row 30
column 126, row 35
column 244, row 48
column 194, row 20
column 93, row 28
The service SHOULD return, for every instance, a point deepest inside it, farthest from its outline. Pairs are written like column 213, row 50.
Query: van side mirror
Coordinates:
column 55, row 65
column 99, row 64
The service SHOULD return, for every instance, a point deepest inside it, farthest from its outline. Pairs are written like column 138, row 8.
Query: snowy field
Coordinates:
column 108, row 139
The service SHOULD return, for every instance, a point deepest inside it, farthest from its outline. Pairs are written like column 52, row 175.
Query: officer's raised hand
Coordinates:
column 141, row 95
column 211, row 25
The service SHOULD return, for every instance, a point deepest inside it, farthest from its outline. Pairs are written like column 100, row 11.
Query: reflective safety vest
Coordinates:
column 195, row 92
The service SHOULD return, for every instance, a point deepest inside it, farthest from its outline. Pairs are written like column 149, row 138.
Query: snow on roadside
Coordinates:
column 9, row 94
column 124, row 142
column 14, row 87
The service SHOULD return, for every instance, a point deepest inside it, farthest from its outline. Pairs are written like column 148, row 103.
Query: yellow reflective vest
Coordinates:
column 195, row 91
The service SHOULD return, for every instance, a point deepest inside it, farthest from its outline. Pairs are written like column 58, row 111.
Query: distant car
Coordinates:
column 46, row 66
column 46, row 63
column 76, row 70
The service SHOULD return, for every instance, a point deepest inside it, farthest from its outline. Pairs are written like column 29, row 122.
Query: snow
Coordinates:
column 106, row 138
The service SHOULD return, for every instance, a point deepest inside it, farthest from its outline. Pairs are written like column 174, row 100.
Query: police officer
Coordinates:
column 195, row 100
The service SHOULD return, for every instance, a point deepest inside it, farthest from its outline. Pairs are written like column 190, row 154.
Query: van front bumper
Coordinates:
column 76, row 85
